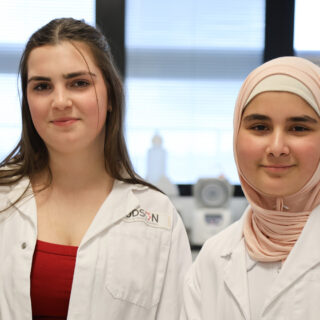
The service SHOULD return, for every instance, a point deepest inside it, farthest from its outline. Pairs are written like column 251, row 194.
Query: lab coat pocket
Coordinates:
column 137, row 265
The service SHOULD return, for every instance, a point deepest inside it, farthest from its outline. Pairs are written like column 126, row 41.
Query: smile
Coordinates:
column 277, row 168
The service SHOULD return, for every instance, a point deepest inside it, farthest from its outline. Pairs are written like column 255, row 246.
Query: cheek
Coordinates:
column 248, row 150
column 97, row 114
column 309, row 156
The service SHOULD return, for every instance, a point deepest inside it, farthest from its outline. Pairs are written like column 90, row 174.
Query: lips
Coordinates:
column 65, row 121
column 277, row 168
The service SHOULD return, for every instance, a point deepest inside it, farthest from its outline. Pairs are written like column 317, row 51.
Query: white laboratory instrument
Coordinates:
column 212, row 213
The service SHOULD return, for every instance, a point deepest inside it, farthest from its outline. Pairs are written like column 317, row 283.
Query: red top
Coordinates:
column 51, row 280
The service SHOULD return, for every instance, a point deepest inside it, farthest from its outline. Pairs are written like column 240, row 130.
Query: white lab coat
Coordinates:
column 216, row 286
column 130, row 264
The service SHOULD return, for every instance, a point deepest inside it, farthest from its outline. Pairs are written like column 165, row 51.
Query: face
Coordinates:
column 278, row 146
column 67, row 97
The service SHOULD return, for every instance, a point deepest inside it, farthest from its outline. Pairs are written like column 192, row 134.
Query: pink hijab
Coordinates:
column 273, row 224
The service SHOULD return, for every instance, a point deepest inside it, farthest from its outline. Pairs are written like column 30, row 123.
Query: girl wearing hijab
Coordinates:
column 267, row 264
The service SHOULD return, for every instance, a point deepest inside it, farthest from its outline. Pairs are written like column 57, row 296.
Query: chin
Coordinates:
column 278, row 192
column 276, row 188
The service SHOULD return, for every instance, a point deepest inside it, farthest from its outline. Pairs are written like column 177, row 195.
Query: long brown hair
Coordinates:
column 30, row 156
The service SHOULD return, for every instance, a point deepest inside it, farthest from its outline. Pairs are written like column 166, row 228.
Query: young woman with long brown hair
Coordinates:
column 81, row 235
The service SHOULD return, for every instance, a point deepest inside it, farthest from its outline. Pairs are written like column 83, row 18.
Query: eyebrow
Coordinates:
column 255, row 116
column 65, row 76
column 261, row 117
column 304, row 118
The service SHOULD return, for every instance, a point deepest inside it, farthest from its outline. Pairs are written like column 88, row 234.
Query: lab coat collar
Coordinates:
column 303, row 257
column 235, row 271
column 237, row 235
column 119, row 203
column 27, row 204
column 18, row 189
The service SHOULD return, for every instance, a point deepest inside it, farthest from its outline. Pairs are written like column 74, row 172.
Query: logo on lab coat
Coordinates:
column 150, row 218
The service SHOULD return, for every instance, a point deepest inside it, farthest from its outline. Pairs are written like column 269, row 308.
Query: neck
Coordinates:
column 76, row 171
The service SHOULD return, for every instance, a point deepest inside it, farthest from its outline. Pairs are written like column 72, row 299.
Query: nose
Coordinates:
column 61, row 99
column 278, row 144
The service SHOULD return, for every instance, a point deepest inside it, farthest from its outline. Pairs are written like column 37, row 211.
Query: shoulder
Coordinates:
column 4, row 191
column 5, row 203
column 12, row 192
column 8, row 178
column 222, row 244
column 153, row 205
column 151, row 197
column 6, row 187
column 210, row 262
column 146, row 196
column 147, row 205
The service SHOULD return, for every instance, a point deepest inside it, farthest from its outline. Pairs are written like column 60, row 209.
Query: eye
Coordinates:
column 42, row 86
column 80, row 83
column 259, row 127
column 299, row 128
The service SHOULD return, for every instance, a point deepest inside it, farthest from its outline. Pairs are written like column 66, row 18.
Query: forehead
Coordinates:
column 279, row 103
column 65, row 54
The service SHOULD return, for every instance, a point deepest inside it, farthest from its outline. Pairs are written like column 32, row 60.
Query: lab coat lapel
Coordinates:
column 27, row 204
column 119, row 203
column 304, row 255
column 235, row 277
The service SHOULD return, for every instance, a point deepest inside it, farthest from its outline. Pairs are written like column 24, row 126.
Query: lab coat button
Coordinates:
column 23, row 245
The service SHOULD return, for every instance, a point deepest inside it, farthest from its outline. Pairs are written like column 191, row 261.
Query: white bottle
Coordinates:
column 156, row 160
column 157, row 166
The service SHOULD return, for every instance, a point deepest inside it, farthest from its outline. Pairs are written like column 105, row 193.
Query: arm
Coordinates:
column 179, row 262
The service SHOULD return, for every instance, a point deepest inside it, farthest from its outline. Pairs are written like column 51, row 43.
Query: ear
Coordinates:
column 109, row 108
